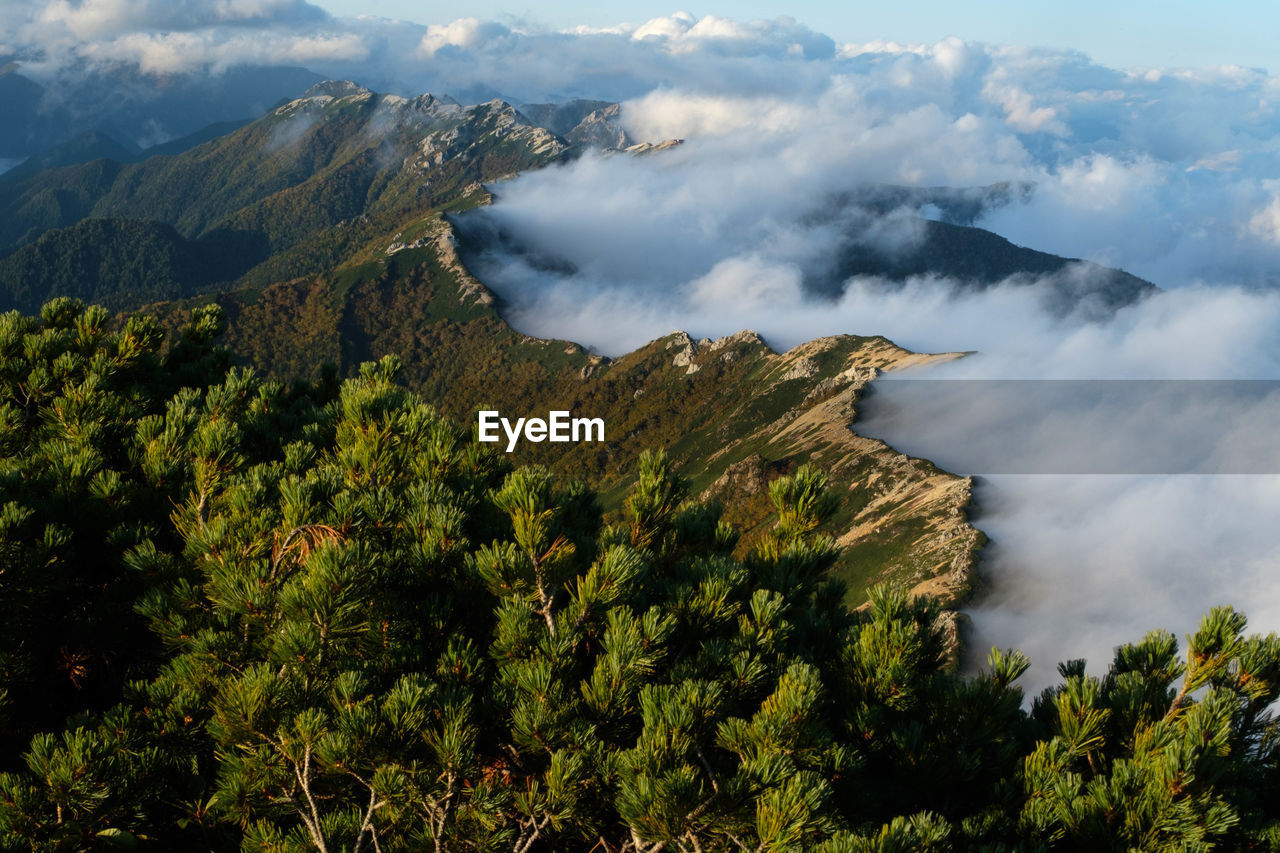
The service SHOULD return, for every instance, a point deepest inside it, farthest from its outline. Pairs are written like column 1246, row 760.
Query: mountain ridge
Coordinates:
column 353, row 197
column 719, row 406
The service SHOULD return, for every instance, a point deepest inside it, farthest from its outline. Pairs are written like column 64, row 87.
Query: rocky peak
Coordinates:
column 469, row 126
column 561, row 119
column 335, row 89
column 601, row 128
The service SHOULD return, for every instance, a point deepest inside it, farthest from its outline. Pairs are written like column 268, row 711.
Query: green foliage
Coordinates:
column 357, row 630
column 1126, row 762
column 123, row 263
column 73, row 501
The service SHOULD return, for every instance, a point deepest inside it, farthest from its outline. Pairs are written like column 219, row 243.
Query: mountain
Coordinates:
column 316, row 177
column 87, row 147
column 954, row 205
column 977, row 259
column 191, row 140
column 337, row 133
column 592, row 124
column 121, row 263
column 22, row 131
column 349, row 224
column 561, row 119
column 734, row 414
column 344, row 225
column 97, row 145
column 321, row 176
column 883, row 232
column 134, row 107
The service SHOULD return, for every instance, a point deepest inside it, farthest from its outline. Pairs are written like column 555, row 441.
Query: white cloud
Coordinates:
column 663, row 29
column 466, row 33
column 177, row 52
column 93, row 19
column 1265, row 223
column 1079, row 565
column 1021, row 112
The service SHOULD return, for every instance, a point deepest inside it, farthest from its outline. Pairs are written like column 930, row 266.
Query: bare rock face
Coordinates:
column 952, row 624
column 602, row 129
column 802, row 369
column 903, row 521
column 479, row 124
column 746, row 336
column 336, row 89
column 749, row 476
column 562, row 118
column 596, row 125
column 586, row 124
column 688, row 350
column 652, row 147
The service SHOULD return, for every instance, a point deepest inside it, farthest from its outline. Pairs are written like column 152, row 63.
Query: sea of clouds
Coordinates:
column 1170, row 174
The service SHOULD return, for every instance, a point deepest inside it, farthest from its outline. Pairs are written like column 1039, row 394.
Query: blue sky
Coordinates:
column 1120, row 34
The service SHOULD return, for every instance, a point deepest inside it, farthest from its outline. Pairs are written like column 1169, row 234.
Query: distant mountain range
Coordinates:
column 306, row 184
column 311, row 181
column 136, row 110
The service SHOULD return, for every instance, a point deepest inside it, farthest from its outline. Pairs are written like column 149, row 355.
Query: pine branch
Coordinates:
column 534, row 829
column 366, row 827
column 304, row 781
column 715, row 786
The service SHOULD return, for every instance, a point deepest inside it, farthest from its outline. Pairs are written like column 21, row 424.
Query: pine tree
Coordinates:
column 355, row 629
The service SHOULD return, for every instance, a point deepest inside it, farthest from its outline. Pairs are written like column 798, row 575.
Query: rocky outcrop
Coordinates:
column 906, row 520
column 901, row 520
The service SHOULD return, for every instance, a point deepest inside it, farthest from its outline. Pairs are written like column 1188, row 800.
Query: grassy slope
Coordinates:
column 733, row 413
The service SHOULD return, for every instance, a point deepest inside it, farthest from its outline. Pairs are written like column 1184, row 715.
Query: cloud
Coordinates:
column 464, row 33
column 1265, row 222
column 58, row 40
column 1079, row 565
column 214, row 51
column 465, row 55
column 1021, row 112
column 94, row 19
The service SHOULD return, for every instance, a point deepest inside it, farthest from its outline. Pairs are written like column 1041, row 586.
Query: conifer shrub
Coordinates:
column 322, row 618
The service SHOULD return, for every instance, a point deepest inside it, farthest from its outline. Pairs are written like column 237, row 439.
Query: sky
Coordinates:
column 1170, row 33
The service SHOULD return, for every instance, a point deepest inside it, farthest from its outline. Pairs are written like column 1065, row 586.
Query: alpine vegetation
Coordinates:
column 318, row 617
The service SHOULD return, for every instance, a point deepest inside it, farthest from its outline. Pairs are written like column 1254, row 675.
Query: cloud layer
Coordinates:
column 1078, row 564
column 57, row 41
